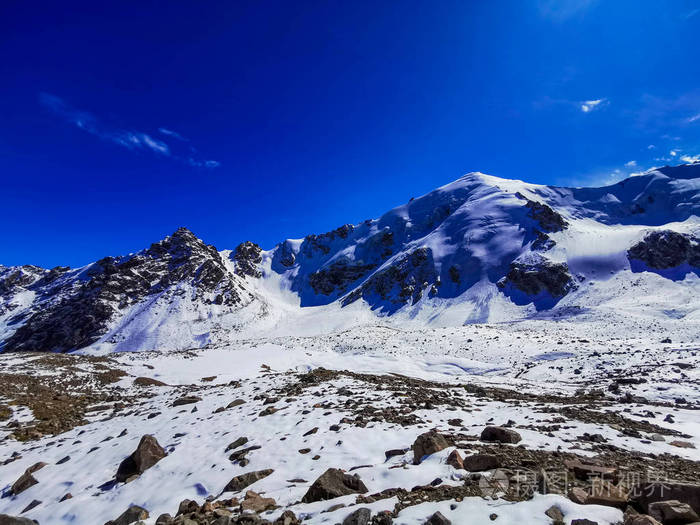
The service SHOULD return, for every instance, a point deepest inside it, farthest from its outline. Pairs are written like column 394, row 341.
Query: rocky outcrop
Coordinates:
column 539, row 275
column 74, row 312
column 666, row 249
column 248, row 257
column 402, row 281
column 338, row 276
column 244, row 480
column 500, row 435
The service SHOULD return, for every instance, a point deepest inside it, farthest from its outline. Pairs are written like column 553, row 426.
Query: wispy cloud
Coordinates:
column 691, row 14
column 631, row 164
column 694, row 118
column 173, row 134
column 690, row 159
column 129, row 139
column 589, row 105
column 562, row 10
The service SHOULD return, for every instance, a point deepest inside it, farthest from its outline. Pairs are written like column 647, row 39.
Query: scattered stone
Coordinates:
column 359, row 517
column 268, row 411
column 395, row 452
column 681, row 444
column 481, row 462
column 334, row 483
column 34, row 503
column 147, row 381
column 500, row 435
column 583, row 522
column 63, row 460
column 235, row 403
column 644, row 494
column 244, row 480
column 428, row 443
column 13, row 520
column 254, row 502
column 555, row 514
column 455, row 460
column 186, row 400
column 147, row 453
column 640, row 519
column 578, row 495
column 438, row 519
column 66, row 496
column 586, row 471
column 312, row 431
column 237, row 443
column 672, row 511
column 25, row 481
column 130, row 515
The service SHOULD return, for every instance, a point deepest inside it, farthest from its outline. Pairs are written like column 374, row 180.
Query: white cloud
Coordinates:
column 630, row 164
column 651, row 146
column 690, row 159
column 133, row 140
column 694, row 118
column 673, row 152
column 589, row 105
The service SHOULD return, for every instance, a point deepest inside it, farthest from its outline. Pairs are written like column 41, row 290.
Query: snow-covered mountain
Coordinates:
column 480, row 249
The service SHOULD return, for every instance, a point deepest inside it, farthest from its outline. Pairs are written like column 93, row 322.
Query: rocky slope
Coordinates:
column 480, row 249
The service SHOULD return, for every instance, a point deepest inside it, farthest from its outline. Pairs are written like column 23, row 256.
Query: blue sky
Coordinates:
column 121, row 121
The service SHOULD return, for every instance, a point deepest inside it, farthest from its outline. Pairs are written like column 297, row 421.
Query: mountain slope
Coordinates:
column 480, row 249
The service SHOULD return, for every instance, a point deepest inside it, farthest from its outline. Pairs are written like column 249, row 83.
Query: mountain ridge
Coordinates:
column 486, row 247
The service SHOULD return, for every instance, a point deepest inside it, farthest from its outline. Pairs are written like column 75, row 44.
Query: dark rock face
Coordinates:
column 404, row 281
column 244, row 480
column 549, row 220
column 247, row 257
column 500, row 435
column 333, row 483
column 147, row 454
column 666, row 249
column 428, row 443
column 481, row 462
column 338, row 276
column 438, row 519
column 76, row 308
column 533, row 278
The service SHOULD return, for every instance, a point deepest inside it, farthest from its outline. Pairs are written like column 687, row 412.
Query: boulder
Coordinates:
column 14, row 520
column 500, row 435
column 254, row 502
column 640, row 519
column 455, row 460
column 609, row 495
column 583, row 522
column 334, row 483
column 287, row 518
column 555, row 514
column 244, row 480
column 428, row 443
column 672, row 512
column 359, row 517
column 438, row 519
column 147, row 453
column 644, row 494
column 186, row 400
column 25, row 481
column 130, row 515
column 481, row 462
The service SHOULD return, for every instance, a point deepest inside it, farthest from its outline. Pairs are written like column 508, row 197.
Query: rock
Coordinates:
column 640, row 519
column 644, row 494
column 164, row 519
column 681, row 444
column 583, row 522
column 66, row 496
column 254, row 502
column 438, row 519
column 34, row 503
column 333, row 483
column 609, row 495
column 287, row 518
column 312, row 431
column 235, row 403
column 672, row 512
column 481, row 462
column 186, row 400
column 147, row 453
column 455, row 460
column 130, row 515
column 359, row 517
column 395, row 452
column 428, row 443
column 578, row 495
column 25, row 481
column 555, row 514
column 500, row 435
column 237, row 443
column 13, row 520
column 666, row 249
column 244, row 480
column 147, row 381
column 586, row 471
column 186, row 506
column 538, row 276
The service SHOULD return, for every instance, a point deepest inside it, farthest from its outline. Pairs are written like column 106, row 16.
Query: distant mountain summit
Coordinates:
column 478, row 249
